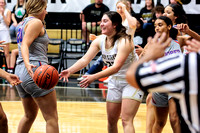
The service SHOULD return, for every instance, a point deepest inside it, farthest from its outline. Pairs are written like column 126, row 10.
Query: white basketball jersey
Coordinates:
column 109, row 55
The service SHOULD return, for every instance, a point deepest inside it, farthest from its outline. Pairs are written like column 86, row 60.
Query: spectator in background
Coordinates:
column 157, row 11
column 140, row 37
column 146, row 14
column 5, row 18
column 131, row 9
column 13, row 56
column 17, row 15
column 91, row 18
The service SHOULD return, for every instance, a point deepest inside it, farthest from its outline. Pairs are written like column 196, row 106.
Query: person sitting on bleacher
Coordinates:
column 17, row 15
column 91, row 17
column 5, row 18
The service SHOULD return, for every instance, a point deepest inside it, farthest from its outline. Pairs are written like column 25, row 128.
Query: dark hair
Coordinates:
column 120, row 29
column 173, row 32
column 158, row 8
column 179, row 13
column 139, row 20
column 152, row 4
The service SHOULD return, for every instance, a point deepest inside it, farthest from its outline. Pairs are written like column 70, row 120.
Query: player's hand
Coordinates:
column 88, row 79
column 13, row 79
column 183, row 28
column 29, row 68
column 138, row 49
column 157, row 46
column 2, row 45
column 64, row 75
column 193, row 45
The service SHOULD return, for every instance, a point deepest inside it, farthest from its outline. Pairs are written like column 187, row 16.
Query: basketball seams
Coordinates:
column 51, row 77
column 43, row 74
column 46, row 77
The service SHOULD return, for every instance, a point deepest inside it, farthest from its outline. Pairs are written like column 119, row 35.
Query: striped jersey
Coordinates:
column 178, row 75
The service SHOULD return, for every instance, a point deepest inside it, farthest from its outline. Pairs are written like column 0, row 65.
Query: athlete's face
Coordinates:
column 168, row 12
column 107, row 27
column 161, row 26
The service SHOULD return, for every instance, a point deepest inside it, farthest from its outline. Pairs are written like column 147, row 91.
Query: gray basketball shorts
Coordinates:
column 160, row 99
column 28, row 88
column 119, row 89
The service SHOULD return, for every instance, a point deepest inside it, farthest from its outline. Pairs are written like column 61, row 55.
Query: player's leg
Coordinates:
column 161, row 109
column 30, row 110
column 130, row 103
column 48, row 107
column 113, row 105
column 173, row 116
column 150, row 116
column 113, row 112
column 129, row 110
column 3, row 121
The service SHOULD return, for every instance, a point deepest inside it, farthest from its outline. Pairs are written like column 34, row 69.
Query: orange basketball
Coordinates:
column 46, row 76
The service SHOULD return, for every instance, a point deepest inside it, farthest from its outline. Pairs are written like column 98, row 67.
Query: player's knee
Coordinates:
column 14, row 52
column 112, row 120
column 30, row 117
column 174, row 119
column 6, row 54
column 160, row 124
column 126, row 121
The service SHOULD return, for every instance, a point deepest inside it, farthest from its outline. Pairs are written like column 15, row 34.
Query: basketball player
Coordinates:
column 180, row 77
column 13, row 80
column 161, row 105
column 117, row 52
column 32, row 44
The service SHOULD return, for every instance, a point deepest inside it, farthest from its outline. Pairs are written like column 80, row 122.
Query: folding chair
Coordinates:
column 72, row 50
column 55, row 53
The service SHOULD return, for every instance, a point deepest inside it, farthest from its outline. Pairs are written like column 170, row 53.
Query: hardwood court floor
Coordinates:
column 75, row 117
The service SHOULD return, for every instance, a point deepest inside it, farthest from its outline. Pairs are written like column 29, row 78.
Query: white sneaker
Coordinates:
column 80, row 78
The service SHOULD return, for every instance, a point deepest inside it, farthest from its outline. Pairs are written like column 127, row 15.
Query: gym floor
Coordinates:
column 80, row 110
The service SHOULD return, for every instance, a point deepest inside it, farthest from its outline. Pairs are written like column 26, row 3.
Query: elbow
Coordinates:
column 116, row 69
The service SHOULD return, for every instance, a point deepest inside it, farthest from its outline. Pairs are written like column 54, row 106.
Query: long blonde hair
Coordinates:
column 17, row 5
column 34, row 7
